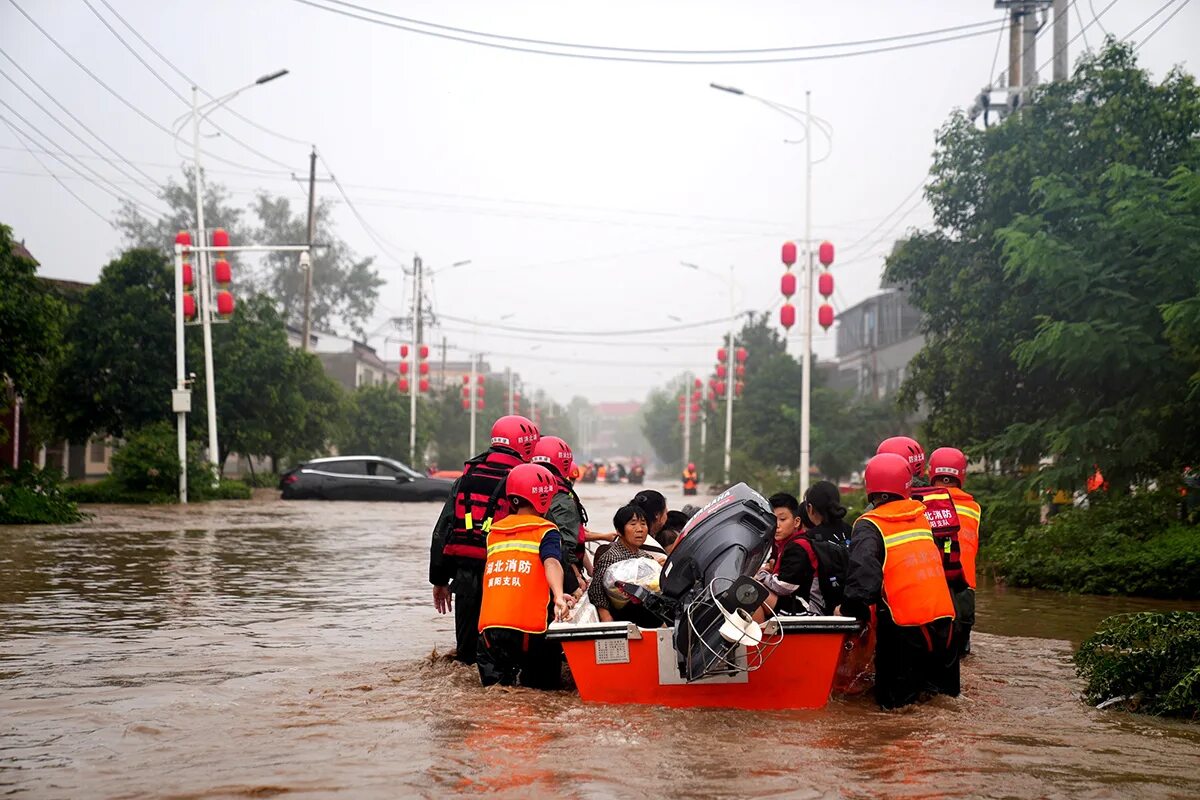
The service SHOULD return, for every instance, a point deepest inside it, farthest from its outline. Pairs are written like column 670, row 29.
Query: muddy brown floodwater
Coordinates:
column 271, row 648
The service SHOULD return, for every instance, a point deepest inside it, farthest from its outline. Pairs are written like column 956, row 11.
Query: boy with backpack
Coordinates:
column 808, row 567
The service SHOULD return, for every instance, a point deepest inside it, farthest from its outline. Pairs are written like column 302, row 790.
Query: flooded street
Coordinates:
column 271, row 648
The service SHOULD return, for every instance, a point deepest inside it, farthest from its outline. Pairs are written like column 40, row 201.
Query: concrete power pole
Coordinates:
column 1014, row 54
column 1060, row 39
column 1029, row 76
column 312, row 227
column 414, row 379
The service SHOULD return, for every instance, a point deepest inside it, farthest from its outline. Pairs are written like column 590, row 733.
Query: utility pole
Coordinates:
column 687, row 418
column 1014, row 54
column 1029, row 77
column 729, row 372
column 806, row 356
column 510, row 389
column 312, row 226
column 442, row 382
column 205, row 287
column 474, row 399
column 703, row 426
column 414, row 378
column 1060, row 39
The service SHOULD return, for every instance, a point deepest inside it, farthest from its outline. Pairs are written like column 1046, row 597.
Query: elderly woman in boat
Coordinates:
column 632, row 529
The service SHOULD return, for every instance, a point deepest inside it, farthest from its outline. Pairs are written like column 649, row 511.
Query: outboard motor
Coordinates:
column 708, row 576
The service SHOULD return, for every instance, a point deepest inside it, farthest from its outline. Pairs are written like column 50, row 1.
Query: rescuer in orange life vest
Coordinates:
column 690, row 478
column 948, row 469
column 457, row 553
column 895, row 566
column 523, row 587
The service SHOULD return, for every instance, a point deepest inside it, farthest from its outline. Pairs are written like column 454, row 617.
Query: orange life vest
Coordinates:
column 689, row 479
column 516, row 593
column 969, row 513
column 914, row 583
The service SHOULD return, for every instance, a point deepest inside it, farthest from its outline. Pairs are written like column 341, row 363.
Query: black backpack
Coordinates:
column 831, row 561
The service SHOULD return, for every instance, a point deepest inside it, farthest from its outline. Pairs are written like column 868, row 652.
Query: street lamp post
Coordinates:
column 205, row 283
column 807, row 118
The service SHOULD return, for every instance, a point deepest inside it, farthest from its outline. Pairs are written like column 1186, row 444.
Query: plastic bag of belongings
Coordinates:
column 639, row 572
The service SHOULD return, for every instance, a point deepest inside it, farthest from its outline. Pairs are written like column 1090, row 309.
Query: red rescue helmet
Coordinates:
column 948, row 462
column 555, row 452
column 516, row 433
column 691, row 467
column 887, row 472
column 534, row 484
column 908, row 449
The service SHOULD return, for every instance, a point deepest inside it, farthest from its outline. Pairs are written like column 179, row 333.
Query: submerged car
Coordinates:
column 360, row 478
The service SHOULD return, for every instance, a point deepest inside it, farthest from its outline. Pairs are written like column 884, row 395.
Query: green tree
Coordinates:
column 31, row 326
column 1061, row 276
column 119, row 367
column 377, row 423
column 345, row 287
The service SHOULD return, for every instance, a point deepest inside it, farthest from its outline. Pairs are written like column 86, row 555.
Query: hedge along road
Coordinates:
column 254, row 648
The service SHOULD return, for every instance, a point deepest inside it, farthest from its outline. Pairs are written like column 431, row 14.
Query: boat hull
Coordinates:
column 617, row 662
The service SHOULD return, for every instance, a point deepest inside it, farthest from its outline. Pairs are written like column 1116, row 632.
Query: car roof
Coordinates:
column 334, row 459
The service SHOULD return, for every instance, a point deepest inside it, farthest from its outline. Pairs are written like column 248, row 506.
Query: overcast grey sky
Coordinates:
column 575, row 186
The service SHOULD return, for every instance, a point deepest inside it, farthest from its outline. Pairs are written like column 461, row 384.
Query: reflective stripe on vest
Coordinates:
column 969, row 513
column 914, row 583
column 946, row 526
column 482, row 477
column 516, row 594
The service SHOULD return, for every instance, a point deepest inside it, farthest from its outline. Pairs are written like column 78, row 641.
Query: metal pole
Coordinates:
column 474, row 401
column 1060, row 39
column 312, row 226
column 806, row 356
column 703, row 425
column 180, row 375
column 729, row 376
column 210, row 388
column 1029, row 77
column 412, row 384
column 1014, row 53
column 510, row 389
column 687, row 418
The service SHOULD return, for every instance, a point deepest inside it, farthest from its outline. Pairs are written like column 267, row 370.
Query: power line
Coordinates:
column 889, row 215
column 78, row 138
column 578, row 46
column 107, row 186
column 1096, row 19
column 1079, row 18
column 380, row 242
column 640, row 59
column 1146, row 21
column 1161, row 25
column 175, row 92
column 128, row 104
column 21, row 138
column 546, row 332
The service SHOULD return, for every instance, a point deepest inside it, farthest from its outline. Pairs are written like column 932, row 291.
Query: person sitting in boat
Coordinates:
column 632, row 531
column 522, row 587
column 654, row 505
column 788, row 573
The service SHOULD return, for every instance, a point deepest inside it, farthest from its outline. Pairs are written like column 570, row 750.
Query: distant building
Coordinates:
column 876, row 340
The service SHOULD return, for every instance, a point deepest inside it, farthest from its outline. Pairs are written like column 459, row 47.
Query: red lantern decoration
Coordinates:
column 404, row 351
column 466, row 404
column 479, row 392
column 720, row 370
column 516, row 398
column 699, row 383
column 423, row 385
column 739, row 387
column 184, row 238
column 721, row 355
column 479, row 404
column 742, row 355
column 424, row 352
column 825, row 315
column 825, row 284
column 740, row 371
column 787, row 315
column 403, row 367
column 222, row 273
column 789, row 253
column 479, row 379
column 466, row 379
column 696, row 395
column 188, row 277
column 721, row 388
column 189, row 306
column 695, row 408
column 681, row 416
column 466, row 392
column 225, row 303
column 787, row 284
column 825, row 253
column 402, row 384
column 220, row 238
column 424, row 367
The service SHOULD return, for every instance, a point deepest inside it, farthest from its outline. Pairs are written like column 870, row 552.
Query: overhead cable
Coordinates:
column 1161, row 25
column 638, row 332
column 642, row 59
column 21, row 138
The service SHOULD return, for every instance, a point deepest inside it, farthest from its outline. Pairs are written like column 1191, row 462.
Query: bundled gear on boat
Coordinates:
column 907, row 448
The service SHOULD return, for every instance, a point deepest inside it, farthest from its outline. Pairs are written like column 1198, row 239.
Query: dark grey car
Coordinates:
column 360, row 478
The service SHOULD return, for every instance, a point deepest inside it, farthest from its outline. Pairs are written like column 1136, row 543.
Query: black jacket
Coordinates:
column 864, row 583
